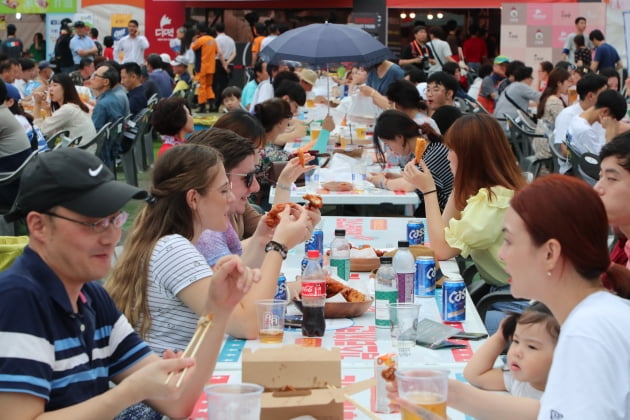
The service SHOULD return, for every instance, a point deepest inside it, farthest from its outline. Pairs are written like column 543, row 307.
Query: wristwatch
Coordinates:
column 278, row 247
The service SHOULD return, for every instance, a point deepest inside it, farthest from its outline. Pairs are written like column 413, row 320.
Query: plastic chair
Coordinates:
column 487, row 301
column 55, row 138
column 7, row 178
column 132, row 158
column 152, row 101
column 147, row 143
column 99, row 146
column 521, row 141
column 588, row 168
column 476, row 106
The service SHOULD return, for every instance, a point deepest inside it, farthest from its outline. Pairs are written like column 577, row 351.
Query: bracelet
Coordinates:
column 278, row 247
column 429, row 192
column 283, row 186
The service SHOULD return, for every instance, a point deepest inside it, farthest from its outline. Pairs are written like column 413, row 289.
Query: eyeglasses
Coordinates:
column 249, row 177
column 100, row 226
column 97, row 75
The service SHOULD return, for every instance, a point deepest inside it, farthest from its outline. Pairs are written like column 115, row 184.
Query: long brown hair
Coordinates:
column 557, row 75
column 179, row 170
column 484, row 157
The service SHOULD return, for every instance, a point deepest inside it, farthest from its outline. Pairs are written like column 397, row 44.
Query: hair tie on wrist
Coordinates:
column 429, row 192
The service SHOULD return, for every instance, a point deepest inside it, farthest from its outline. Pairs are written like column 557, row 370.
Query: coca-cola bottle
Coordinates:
column 313, row 297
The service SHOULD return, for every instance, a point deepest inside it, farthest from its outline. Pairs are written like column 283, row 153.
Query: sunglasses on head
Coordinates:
column 249, row 177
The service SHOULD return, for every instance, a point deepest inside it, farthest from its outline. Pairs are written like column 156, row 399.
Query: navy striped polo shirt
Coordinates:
column 48, row 350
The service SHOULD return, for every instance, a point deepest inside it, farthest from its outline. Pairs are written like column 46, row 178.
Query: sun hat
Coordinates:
column 309, row 76
column 73, row 178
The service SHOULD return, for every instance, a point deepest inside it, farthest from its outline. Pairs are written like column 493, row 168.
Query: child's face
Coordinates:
column 530, row 354
column 231, row 103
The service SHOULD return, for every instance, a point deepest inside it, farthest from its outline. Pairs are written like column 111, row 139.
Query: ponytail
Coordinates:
column 617, row 280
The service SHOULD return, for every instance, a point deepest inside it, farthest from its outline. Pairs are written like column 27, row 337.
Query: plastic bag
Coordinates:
column 362, row 109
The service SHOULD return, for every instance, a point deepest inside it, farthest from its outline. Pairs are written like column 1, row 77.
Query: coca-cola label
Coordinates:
column 314, row 288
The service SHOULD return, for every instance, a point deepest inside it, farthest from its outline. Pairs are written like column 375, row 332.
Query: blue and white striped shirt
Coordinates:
column 52, row 352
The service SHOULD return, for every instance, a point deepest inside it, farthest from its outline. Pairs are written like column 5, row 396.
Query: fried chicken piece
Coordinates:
column 421, row 146
column 314, row 201
column 273, row 217
column 333, row 287
column 353, row 295
column 389, row 374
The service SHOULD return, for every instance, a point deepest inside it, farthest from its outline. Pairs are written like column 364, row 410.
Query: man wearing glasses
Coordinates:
column 110, row 106
column 63, row 339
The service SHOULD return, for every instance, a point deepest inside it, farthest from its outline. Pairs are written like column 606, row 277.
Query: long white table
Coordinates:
column 367, row 196
column 358, row 339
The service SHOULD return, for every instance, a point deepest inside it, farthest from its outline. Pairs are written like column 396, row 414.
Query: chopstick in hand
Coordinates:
column 204, row 324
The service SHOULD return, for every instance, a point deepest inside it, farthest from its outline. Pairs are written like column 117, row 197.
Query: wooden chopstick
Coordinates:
column 203, row 326
column 357, row 404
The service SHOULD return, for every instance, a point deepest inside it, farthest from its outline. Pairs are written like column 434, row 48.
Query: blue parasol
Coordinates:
column 324, row 43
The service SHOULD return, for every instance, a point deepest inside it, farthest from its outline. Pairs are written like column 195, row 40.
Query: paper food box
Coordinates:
column 296, row 381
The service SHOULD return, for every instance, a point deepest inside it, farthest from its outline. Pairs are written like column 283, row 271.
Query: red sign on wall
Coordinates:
column 162, row 20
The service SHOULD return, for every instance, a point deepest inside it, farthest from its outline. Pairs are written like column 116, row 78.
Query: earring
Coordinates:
column 548, row 273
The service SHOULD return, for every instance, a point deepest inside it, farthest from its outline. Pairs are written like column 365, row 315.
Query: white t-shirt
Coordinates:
column 441, row 49
column 226, row 45
column 264, row 91
column 590, row 372
column 560, row 130
column 518, row 388
column 132, row 48
column 175, row 264
column 584, row 137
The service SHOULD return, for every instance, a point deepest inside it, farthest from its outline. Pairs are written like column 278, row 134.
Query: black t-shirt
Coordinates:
column 413, row 50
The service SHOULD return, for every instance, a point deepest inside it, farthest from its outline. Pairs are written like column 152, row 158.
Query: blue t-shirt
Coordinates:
column 606, row 55
column 393, row 73
column 50, row 351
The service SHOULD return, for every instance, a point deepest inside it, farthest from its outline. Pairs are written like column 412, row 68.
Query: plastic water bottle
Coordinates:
column 386, row 292
column 340, row 254
column 313, row 297
column 405, row 268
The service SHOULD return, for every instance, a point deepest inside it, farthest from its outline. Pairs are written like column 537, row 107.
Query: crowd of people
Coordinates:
column 200, row 245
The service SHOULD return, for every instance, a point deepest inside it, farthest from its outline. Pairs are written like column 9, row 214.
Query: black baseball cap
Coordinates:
column 79, row 24
column 74, row 179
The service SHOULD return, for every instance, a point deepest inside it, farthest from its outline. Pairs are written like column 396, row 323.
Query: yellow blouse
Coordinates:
column 478, row 232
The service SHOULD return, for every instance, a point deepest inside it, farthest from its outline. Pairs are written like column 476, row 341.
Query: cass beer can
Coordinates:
column 316, row 242
column 415, row 232
column 454, row 300
column 281, row 288
column 424, row 281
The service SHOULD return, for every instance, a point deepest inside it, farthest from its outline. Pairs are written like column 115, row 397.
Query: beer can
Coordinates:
column 380, row 402
column 424, row 281
column 281, row 288
column 316, row 242
column 454, row 300
column 415, row 232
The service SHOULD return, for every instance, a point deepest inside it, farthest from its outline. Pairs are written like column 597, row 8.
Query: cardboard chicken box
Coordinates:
column 299, row 381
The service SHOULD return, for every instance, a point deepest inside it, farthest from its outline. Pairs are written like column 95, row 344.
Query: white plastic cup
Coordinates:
column 234, row 401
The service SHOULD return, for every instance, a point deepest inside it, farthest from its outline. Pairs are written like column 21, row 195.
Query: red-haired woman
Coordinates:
column 556, row 250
